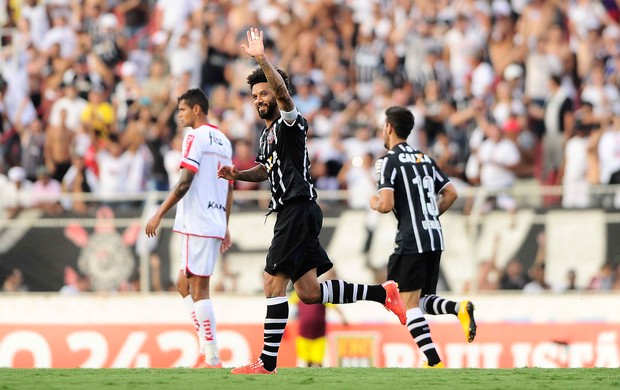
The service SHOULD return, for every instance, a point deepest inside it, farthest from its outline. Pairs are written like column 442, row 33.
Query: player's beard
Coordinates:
column 271, row 111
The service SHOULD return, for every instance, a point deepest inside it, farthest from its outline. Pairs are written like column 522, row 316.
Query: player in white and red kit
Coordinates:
column 204, row 204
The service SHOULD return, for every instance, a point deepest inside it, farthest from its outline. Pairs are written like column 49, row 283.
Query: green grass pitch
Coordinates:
column 311, row 378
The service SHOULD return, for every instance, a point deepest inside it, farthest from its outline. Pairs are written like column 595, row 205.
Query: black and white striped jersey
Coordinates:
column 415, row 179
column 282, row 150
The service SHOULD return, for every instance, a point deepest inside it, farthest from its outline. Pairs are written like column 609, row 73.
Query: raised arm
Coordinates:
column 256, row 49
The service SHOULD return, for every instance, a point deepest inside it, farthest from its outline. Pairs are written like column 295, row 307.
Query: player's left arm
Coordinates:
column 174, row 196
column 383, row 202
column 226, row 242
column 446, row 197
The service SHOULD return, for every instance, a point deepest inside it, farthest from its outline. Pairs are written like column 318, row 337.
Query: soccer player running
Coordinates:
column 204, row 205
column 411, row 185
column 295, row 253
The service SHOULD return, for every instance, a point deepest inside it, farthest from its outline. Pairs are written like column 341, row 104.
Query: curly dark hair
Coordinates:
column 258, row 76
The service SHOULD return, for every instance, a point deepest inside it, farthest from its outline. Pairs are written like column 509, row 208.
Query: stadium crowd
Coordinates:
column 503, row 91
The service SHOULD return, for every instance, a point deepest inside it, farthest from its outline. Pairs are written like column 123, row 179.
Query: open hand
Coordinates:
column 226, row 242
column 151, row 226
column 255, row 47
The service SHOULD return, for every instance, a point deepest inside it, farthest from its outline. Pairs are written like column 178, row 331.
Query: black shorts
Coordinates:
column 417, row 271
column 295, row 248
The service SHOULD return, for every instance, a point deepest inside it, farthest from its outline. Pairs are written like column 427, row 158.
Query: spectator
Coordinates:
column 61, row 34
column 392, row 70
column 172, row 158
column 526, row 143
column 185, row 58
column 488, row 276
column 616, row 285
column 14, row 282
column 435, row 111
column 17, row 193
column 499, row 157
column 126, row 93
column 140, row 160
column 108, row 47
column 539, row 68
column 603, row 96
column 504, row 104
column 135, row 14
column 59, row 143
column 306, row 99
column 432, row 68
column 503, row 45
column 461, row 41
column 558, row 120
column 312, row 319
column 98, row 117
column 156, row 87
column 571, row 281
column 16, row 111
column 79, row 179
column 513, row 277
column 537, row 281
column 574, row 173
column 37, row 19
column 536, row 17
column 609, row 155
column 114, row 166
column 80, row 75
column 46, row 191
column 243, row 158
column 604, row 279
column 482, row 76
column 70, row 102
column 32, row 139
column 536, row 273
column 75, row 283
column 215, row 68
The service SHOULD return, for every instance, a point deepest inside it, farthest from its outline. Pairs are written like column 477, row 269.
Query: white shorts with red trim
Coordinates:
column 199, row 254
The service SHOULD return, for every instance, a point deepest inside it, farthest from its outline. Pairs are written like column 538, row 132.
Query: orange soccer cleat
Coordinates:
column 393, row 302
column 253, row 368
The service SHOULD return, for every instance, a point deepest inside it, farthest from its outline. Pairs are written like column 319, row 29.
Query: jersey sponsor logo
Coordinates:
column 413, row 158
column 213, row 139
column 213, row 205
column 188, row 145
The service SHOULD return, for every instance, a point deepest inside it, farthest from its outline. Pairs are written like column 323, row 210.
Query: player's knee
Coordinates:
column 182, row 288
column 309, row 297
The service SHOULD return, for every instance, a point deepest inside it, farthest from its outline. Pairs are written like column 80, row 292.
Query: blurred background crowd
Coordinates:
column 504, row 91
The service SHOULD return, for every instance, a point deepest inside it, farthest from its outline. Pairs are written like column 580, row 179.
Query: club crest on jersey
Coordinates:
column 271, row 135
column 188, row 144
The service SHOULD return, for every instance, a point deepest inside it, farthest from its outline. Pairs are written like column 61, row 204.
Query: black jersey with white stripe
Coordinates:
column 416, row 180
column 282, row 150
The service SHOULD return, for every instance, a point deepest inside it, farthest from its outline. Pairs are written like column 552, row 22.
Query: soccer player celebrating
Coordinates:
column 295, row 253
column 411, row 185
column 201, row 216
